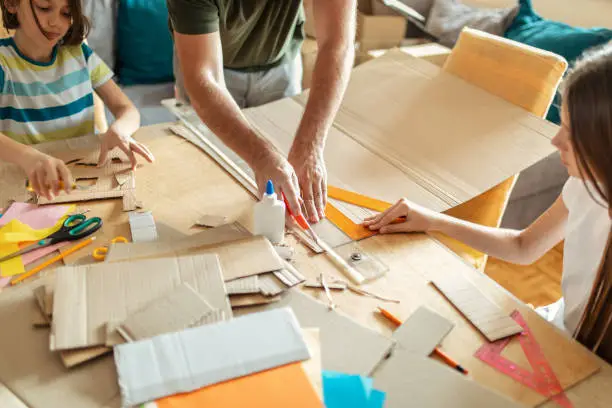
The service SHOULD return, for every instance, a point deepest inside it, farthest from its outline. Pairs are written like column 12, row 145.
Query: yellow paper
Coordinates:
column 11, row 235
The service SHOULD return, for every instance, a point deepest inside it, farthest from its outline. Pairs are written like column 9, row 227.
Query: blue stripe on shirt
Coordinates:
column 41, row 88
column 47, row 114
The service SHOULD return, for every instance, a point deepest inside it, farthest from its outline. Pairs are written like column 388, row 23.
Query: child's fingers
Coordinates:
column 103, row 154
column 388, row 216
column 143, row 151
column 52, row 177
column 35, row 183
column 66, row 177
column 393, row 228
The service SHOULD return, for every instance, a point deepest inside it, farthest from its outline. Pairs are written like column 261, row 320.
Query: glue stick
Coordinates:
column 269, row 216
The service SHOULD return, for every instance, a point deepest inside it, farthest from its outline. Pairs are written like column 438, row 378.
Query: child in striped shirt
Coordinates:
column 47, row 79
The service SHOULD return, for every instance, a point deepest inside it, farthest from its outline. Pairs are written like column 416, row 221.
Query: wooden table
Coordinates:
column 185, row 184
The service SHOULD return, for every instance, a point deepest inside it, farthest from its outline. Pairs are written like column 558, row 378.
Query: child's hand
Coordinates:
column 417, row 218
column 111, row 139
column 45, row 172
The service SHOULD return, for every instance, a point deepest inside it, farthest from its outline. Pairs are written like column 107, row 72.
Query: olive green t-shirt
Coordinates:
column 255, row 34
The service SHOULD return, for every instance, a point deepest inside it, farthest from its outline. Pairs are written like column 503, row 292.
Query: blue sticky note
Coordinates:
column 354, row 391
column 377, row 399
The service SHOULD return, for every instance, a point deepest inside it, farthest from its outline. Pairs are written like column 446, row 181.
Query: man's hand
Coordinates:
column 312, row 177
column 127, row 144
column 273, row 166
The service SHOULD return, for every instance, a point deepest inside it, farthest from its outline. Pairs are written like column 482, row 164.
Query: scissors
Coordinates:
column 99, row 254
column 74, row 228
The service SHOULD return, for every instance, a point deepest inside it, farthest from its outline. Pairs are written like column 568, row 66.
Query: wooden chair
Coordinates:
column 523, row 75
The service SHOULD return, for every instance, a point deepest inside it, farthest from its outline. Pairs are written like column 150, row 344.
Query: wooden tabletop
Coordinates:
column 185, row 184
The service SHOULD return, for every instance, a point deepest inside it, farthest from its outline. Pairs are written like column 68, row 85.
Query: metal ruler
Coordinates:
column 542, row 379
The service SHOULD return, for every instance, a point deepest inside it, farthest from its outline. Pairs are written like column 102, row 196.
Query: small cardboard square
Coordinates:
column 422, row 332
column 174, row 311
column 195, row 358
column 243, row 286
column 346, row 346
column 88, row 297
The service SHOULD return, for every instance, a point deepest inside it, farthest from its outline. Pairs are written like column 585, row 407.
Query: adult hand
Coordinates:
column 127, row 144
column 417, row 218
column 45, row 173
column 271, row 165
column 312, row 178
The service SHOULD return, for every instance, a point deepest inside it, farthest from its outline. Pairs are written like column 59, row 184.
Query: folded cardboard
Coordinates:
column 88, row 297
column 194, row 358
column 346, row 346
column 176, row 310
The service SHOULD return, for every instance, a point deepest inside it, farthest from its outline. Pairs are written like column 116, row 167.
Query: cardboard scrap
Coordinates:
column 88, row 297
column 346, row 346
column 270, row 285
column 427, row 383
column 174, row 311
column 255, row 299
column 488, row 317
column 243, row 286
column 289, row 275
column 421, row 332
column 211, row 221
column 202, row 356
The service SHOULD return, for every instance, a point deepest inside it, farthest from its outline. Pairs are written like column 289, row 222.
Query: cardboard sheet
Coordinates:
column 270, row 285
column 243, row 286
column 279, row 387
column 198, row 357
column 289, row 275
column 88, row 297
column 178, row 309
column 346, row 346
column 256, row 299
column 428, row 383
column 421, row 332
column 488, row 317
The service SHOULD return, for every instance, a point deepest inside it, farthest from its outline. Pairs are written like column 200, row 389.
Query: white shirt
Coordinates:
column 586, row 236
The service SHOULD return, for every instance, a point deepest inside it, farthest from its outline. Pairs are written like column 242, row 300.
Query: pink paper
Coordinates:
column 37, row 217
column 39, row 253
column 4, row 282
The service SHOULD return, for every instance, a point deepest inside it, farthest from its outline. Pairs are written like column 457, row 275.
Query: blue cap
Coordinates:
column 269, row 188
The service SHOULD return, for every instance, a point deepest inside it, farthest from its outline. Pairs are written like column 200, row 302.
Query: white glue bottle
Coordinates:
column 270, row 216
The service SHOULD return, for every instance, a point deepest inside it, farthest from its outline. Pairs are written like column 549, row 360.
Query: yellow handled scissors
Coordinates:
column 99, row 254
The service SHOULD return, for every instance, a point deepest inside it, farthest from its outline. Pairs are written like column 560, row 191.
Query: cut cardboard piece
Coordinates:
column 279, row 387
column 289, row 275
column 178, row 309
column 346, row 346
column 375, row 32
column 88, row 297
column 421, row 333
column 270, row 285
column 243, row 286
column 256, row 299
column 485, row 315
column 429, row 131
column 427, row 383
column 73, row 358
column 240, row 256
column 207, row 355
column 142, row 226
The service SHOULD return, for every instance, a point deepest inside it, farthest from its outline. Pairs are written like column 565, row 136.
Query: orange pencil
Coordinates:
column 445, row 357
column 53, row 260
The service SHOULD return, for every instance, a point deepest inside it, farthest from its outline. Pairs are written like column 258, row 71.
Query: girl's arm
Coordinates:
column 43, row 171
column 520, row 247
column 127, row 122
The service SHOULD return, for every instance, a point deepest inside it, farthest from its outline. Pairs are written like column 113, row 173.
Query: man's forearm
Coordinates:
column 329, row 80
column 223, row 117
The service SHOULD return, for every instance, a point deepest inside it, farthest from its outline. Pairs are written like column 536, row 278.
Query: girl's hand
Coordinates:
column 127, row 144
column 417, row 218
column 45, row 173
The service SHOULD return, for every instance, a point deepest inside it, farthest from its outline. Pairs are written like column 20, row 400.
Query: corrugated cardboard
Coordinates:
column 488, row 317
column 256, row 299
column 425, row 382
column 88, row 297
column 431, row 52
column 346, row 346
column 176, row 310
column 239, row 257
column 243, row 286
column 375, row 32
column 270, row 285
column 195, row 358
column 421, row 332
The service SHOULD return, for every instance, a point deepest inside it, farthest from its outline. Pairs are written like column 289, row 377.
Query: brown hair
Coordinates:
column 588, row 98
column 76, row 33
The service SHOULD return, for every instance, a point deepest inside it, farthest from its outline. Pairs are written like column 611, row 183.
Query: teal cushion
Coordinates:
column 144, row 44
column 562, row 39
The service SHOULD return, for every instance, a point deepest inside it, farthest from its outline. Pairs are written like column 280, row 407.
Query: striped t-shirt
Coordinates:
column 40, row 102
